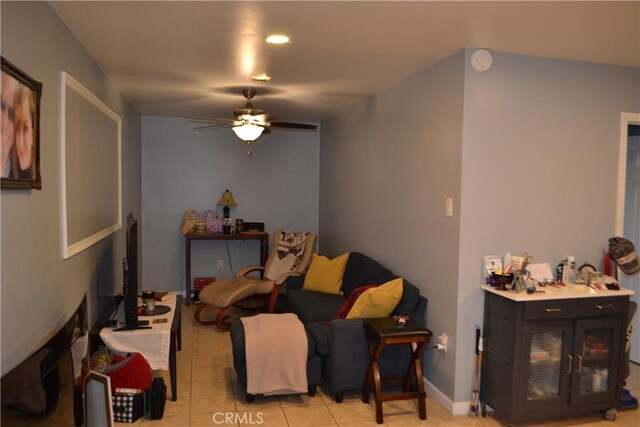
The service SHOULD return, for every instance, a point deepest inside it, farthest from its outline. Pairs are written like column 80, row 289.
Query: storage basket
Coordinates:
column 129, row 405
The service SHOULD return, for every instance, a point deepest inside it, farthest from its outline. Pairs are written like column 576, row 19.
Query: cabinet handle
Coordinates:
column 579, row 364
column 603, row 307
column 570, row 363
column 553, row 310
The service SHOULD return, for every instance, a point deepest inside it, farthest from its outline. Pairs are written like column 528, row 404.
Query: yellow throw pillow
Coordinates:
column 325, row 275
column 377, row 302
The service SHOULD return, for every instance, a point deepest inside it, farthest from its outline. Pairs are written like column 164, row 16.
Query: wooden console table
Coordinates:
column 261, row 236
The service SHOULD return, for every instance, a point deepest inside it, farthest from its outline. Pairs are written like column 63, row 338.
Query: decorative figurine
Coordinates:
column 190, row 220
column 200, row 227
column 211, row 222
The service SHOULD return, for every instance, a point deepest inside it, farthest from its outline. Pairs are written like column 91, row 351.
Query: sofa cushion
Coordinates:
column 325, row 275
column 313, row 306
column 362, row 270
column 377, row 302
column 319, row 331
column 293, row 283
column 410, row 299
column 351, row 300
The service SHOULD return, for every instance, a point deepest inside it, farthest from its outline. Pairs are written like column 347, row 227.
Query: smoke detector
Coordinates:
column 481, row 60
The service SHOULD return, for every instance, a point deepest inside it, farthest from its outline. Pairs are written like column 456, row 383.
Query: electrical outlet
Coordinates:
column 449, row 208
column 220, row 264
column 442, row 342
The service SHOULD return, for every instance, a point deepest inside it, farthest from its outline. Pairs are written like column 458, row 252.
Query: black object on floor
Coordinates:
column 627, row 401
column 157, row 397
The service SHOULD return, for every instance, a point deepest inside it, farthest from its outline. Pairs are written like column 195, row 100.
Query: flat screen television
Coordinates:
column 32, row 392
column 130, row 279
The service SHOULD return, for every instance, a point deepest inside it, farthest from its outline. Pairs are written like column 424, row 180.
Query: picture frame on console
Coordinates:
column 20, row 122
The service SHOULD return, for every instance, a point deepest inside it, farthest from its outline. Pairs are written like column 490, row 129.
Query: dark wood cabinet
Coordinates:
column 552, row 357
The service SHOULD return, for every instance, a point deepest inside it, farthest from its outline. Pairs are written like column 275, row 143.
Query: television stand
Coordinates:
column 152, row 353
column 141, row 324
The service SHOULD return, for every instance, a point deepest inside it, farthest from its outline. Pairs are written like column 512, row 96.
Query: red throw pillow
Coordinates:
column 346, row 307
column 130, row 372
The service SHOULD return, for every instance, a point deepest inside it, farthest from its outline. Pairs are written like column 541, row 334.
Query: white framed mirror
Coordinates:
column 91, row 175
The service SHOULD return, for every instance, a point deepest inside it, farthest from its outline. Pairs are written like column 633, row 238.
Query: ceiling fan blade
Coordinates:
column 290, row 125
column 214, row 126
column 209, row 119
column 264, row 118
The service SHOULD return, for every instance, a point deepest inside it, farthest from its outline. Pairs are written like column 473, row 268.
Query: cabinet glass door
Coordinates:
column 547, row 355
column 545, row 358
column 597, row 358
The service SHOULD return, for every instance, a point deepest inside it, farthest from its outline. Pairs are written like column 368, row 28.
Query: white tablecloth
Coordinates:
column 152, row 343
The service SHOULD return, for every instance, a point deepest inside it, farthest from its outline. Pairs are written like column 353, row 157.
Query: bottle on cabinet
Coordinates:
column 605, row 379
column 596, row 381
column 569, row 270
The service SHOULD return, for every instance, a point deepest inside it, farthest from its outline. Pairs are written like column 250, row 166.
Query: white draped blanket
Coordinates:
column 276, row 351
column 153, row 343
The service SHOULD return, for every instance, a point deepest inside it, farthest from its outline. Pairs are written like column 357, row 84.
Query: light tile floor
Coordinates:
column 208, row 393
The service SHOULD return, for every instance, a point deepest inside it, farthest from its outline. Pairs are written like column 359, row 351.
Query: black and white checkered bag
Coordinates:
column 128, row 406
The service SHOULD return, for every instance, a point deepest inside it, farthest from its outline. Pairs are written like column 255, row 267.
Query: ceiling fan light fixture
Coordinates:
column 261, row 78
column 277, row 39
column 248, row 132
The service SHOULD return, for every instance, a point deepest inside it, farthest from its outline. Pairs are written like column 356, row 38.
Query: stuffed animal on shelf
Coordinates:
column 190, row 220
column 212, row 222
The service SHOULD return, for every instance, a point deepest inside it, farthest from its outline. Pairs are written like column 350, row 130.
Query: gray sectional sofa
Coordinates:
column 341, row 343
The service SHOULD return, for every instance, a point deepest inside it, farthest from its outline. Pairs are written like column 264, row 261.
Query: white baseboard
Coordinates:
column 454, row 408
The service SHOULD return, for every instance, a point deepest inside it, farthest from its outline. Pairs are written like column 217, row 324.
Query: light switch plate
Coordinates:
column 449, row 209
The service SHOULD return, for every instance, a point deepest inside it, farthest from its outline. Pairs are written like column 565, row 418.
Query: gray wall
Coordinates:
column 185, row 169
column 540, row 159
column 387, row 168
column 527, row 150
column 40, row 291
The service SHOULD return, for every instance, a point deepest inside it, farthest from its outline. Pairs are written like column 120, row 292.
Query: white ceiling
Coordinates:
column 178, row 58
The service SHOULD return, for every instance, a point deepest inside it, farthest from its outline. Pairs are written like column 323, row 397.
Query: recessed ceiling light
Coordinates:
column 261, row 78
column 277, row 39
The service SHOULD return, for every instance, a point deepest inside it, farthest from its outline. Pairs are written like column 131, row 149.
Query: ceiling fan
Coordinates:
column 249, row 122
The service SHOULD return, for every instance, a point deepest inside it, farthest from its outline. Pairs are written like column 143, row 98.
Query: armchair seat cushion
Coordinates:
column 226, row 292
column 311, row 306
column 260, row 286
